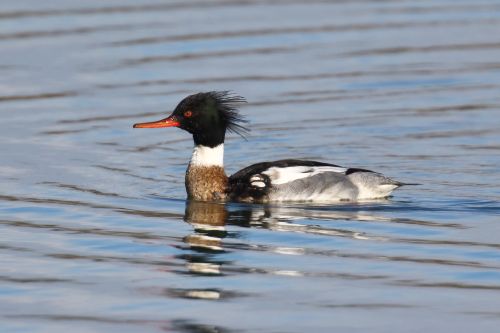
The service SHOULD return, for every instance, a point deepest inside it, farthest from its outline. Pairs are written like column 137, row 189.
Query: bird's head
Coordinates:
column 206, row 116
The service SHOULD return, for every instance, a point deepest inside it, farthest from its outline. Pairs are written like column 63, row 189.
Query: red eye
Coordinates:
column 188, row 114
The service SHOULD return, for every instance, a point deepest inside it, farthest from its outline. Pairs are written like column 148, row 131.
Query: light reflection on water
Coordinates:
column 97, row 236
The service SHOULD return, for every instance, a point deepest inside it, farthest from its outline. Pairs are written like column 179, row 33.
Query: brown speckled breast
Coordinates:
column 206, row 183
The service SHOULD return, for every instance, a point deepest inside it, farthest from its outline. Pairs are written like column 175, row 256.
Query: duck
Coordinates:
column 208, row 116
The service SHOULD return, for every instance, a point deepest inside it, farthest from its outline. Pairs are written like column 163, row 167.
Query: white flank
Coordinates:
column 206, row 156
column 280, row 176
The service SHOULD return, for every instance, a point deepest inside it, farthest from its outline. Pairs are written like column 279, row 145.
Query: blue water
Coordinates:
column 96, row 234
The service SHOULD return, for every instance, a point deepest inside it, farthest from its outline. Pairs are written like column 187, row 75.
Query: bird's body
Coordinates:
column 208, row 115
column 298, row 180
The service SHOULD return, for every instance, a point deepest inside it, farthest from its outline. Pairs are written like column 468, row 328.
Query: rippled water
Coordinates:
column 96, row 235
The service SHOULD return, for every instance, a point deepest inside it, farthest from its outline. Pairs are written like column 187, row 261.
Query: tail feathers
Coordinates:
column 407, row 184
column 397, row 184
column 374, row 185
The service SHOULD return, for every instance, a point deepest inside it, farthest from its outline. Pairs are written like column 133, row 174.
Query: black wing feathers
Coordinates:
column 257, row 168
column 354, row 170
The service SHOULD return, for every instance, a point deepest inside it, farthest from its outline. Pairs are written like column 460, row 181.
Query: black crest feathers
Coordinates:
column 227, row 104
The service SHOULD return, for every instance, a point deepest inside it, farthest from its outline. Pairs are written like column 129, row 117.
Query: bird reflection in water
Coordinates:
column 217, row 230
column 205, row 244
column 209, row 221
column 210, row 240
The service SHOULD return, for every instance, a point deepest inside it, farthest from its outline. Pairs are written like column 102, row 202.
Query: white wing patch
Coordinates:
column 257, row 181
column 285, row 175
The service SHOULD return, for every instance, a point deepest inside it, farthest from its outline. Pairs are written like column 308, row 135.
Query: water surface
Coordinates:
column 97, row 235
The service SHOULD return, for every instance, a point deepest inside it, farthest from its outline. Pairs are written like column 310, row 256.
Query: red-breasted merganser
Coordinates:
column 208, row 115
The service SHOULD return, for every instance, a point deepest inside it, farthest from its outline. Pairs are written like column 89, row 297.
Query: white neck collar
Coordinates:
column 206, row 156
